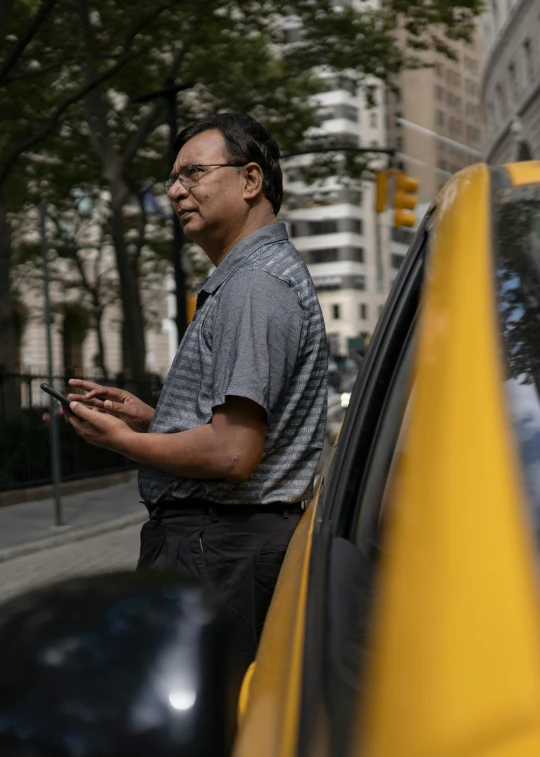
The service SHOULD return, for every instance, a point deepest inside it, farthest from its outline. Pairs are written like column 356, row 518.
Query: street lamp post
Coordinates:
column 55, row 436
column 169, row 95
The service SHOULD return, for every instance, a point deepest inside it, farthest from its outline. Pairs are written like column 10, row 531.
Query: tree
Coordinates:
column 41, row 59
column 106, row 55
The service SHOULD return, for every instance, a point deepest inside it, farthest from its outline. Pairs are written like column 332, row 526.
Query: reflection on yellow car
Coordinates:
column 405, row 620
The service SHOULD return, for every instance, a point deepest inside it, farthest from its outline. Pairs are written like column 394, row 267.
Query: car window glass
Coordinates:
column 383, row 454
column 517, row 268
column 397, row 453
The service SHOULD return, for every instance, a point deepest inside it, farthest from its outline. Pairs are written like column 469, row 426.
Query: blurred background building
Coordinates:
column 511, row 80
column 84, row 292
column 333, row 224
column 432, row 119
column 435, row 117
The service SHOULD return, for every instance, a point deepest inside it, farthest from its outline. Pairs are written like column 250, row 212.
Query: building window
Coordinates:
column 373, row 120
column 322, row 227
column 363, row 311
column 336, row 309
column 439, row 92
column 358, row 226
column 470, row 64
column 329, row 255
column 349, row 112
column 453, row 78
column 513, row 82
column 333, row 344
column 440, row 118
column 344, row 139
column 490, row 117
column 501, row 100
column 358, row 254
column 403, row 235
column 293, row 34
column 359, row 282
column 496, row 15
column 529, row 68
column 75, row 328
column 396, row 260
column 473, row 134
column 346, row 83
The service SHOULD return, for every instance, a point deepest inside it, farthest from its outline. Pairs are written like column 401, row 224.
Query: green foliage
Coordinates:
column 72, row 76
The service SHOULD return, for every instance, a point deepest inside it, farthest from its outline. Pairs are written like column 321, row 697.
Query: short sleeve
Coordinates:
column 256, row 339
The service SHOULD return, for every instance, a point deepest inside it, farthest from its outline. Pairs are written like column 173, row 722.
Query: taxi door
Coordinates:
column 302, row 666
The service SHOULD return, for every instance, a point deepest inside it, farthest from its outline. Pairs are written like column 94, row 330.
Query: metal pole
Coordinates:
column 178, row 235
column 440, row 137
column 378, row 254
column 55, row 436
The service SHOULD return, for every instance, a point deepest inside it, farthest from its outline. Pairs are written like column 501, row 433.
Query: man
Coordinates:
column 228, row 457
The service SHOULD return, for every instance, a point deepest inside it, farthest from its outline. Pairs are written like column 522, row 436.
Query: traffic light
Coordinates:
column 405, row 200
column 191, row 304
column 381, row 190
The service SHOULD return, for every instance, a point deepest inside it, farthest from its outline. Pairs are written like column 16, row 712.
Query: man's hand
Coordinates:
column 97, row 428
column 123, row 405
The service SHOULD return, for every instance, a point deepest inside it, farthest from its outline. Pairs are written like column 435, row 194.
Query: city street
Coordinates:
column 115, row 550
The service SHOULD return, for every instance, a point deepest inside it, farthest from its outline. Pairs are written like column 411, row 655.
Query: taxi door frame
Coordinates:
column 343, row 481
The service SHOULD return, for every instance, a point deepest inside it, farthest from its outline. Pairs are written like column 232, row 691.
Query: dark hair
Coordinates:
column 246, row 141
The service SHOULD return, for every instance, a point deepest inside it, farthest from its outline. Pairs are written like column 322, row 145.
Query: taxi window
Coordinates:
column 517, row 267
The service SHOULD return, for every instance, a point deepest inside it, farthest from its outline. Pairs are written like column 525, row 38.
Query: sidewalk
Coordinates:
column 30, row 526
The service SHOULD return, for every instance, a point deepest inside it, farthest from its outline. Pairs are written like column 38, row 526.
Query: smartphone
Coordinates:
column 57, row 395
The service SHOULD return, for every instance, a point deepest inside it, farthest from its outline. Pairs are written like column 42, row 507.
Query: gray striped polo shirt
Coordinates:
column 258, row 332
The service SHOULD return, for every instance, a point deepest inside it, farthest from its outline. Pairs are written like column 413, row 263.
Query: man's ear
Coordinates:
column 253, row 181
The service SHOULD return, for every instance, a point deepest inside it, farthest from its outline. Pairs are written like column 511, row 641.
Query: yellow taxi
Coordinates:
column 406, row 621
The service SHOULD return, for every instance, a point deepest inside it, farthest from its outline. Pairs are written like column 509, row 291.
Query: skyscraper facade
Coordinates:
column 511, row 80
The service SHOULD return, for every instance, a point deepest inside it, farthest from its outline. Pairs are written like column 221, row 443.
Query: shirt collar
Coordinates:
column 274, row 232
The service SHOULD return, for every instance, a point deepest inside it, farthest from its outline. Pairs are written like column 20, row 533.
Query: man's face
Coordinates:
column 212, row 208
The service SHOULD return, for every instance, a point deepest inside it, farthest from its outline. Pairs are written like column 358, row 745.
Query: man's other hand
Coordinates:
column 117, row 402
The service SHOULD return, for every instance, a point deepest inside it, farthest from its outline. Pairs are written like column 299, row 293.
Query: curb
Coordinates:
column 67, row 488
column 67, row 537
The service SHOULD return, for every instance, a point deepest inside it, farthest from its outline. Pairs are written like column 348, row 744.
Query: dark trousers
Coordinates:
column 235, row 551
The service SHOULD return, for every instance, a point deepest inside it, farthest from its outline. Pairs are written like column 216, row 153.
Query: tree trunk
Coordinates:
column 10, row 400
column 98, row 325
column 134, row 341
column 9, row 348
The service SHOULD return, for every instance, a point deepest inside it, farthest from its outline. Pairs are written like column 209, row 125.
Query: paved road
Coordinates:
column 115, row 550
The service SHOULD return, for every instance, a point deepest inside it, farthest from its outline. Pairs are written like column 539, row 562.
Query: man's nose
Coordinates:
column 177, row 191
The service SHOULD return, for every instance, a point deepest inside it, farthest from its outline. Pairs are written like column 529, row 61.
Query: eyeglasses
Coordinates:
column 190, row 175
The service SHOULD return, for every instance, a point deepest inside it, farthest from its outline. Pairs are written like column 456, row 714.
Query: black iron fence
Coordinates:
column 25, row 448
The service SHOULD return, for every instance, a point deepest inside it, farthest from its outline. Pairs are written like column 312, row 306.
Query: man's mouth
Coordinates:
column 183, row 212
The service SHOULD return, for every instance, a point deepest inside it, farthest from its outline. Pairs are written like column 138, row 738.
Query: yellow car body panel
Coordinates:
column 269, row 724
column 524, row 173
column 455, row 658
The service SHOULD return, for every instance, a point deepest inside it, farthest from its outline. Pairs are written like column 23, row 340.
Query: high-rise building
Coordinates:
column 434, row 121
column 334, row 225
column 435, row 116
column 511, row 81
